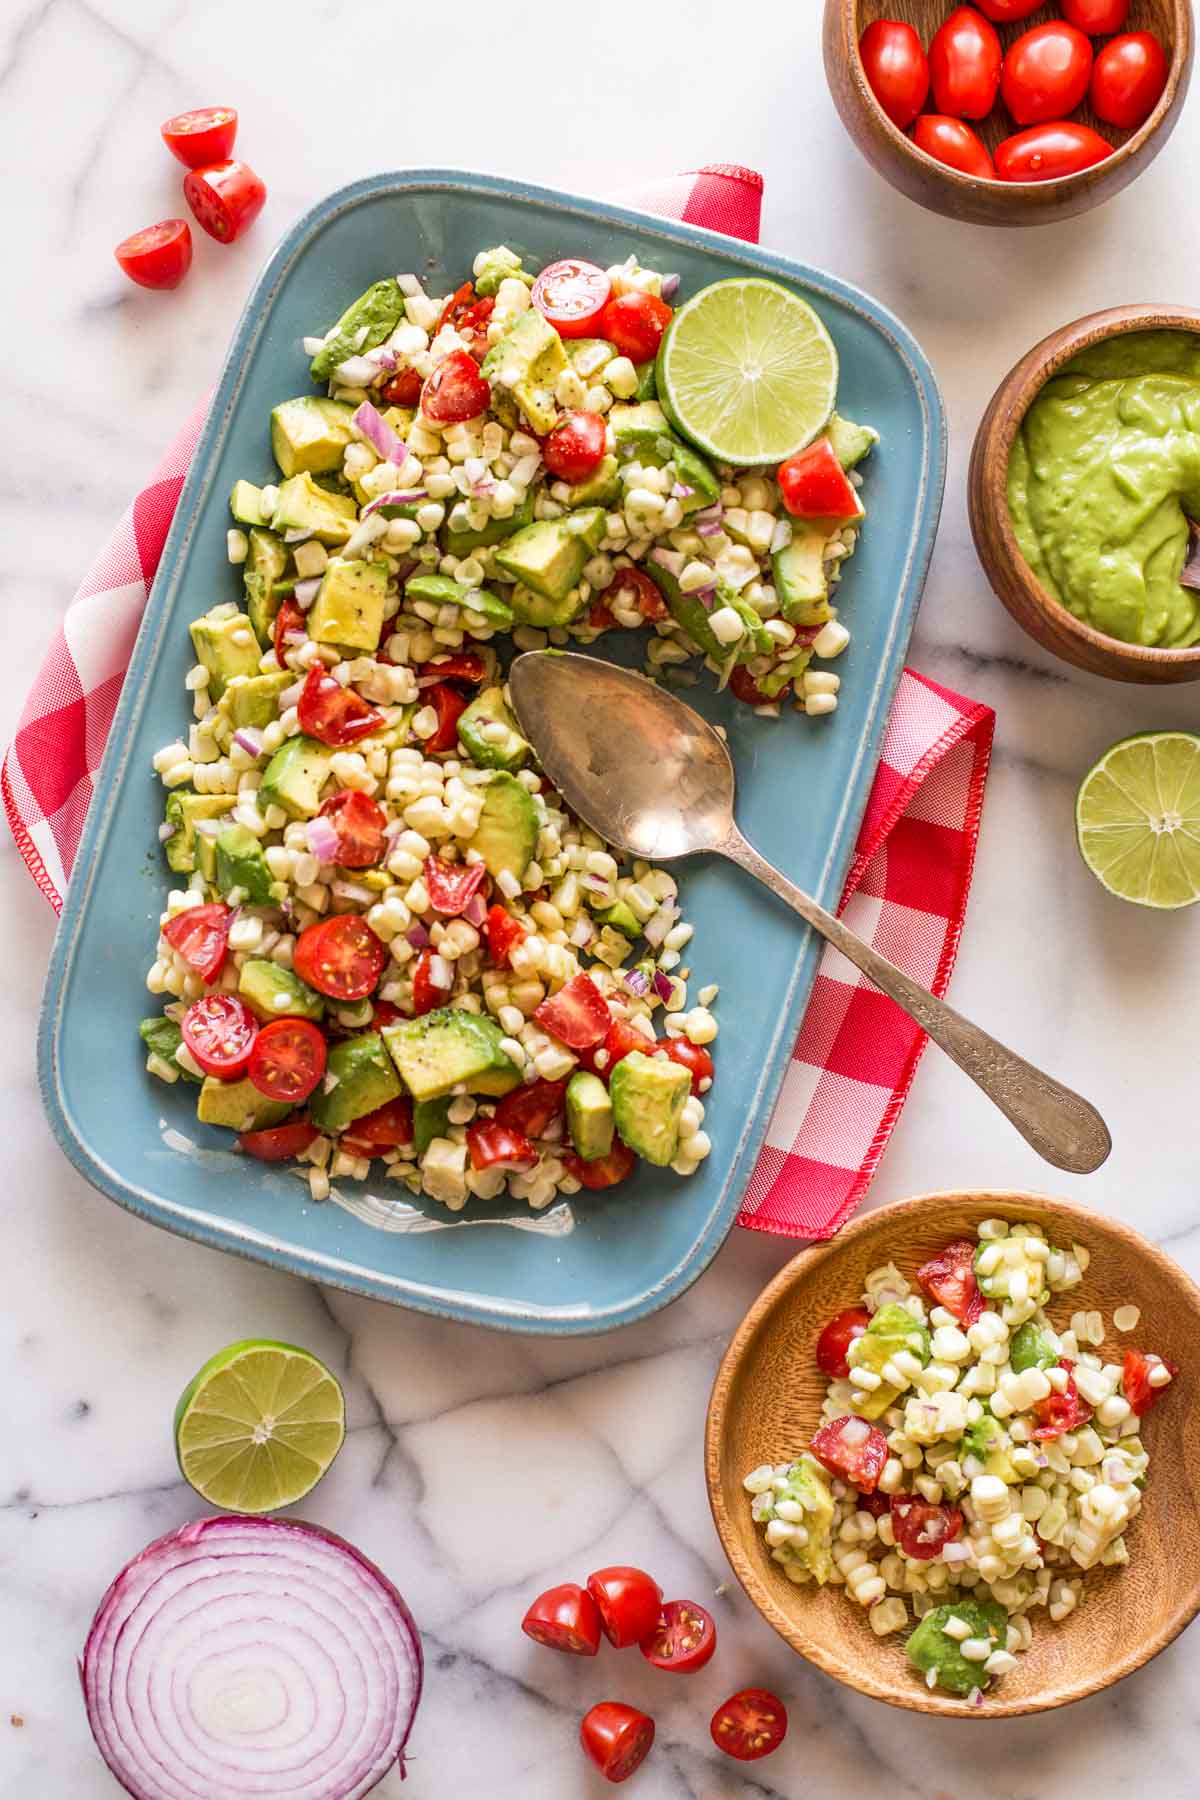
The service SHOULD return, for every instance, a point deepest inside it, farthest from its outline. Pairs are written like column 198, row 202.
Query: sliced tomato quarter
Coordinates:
column 853, row 1450
column 1136, row 1384
column 205, row 135
column 617, row 1738
column 531, row 1109
column 430, row 989
column 577, row 1015
column 491, row 1145
column 279, row 1144
column 503, row 934
column 288, row 1060
column 450, row 886
column 921, row 1528
column 200, row 934
column 949, row 1280
column 683, row 1640
column 564, row 1618
column 360, row 827
column 334, row 714
column 836, row 1339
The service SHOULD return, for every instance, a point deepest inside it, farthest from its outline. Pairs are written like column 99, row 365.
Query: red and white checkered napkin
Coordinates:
column 907, row 890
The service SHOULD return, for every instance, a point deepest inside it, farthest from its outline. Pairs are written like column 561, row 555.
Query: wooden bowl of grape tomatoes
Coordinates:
column 1009, row 112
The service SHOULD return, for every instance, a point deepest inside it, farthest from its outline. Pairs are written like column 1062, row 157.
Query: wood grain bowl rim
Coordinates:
column 859, row 1673
column 1023, row 191
column 988, row 474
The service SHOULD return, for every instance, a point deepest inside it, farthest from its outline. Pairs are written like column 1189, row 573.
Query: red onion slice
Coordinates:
column 386, row 442
column 251, row 1658
column 323, row 840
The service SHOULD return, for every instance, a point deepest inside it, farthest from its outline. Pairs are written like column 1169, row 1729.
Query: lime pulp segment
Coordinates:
column 1137, row 817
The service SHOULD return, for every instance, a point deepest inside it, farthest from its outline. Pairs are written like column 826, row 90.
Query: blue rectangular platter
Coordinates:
column 596, row 1261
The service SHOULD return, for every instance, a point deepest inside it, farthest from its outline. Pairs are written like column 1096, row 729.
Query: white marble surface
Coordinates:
column 480, row 1468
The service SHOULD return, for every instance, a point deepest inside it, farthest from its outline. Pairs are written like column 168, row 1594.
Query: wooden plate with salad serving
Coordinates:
column 766, row 1406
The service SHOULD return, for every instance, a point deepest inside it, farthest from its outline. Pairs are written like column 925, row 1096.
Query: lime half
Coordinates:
column 747, row 371
column 1138, row 819
column 258, row 1426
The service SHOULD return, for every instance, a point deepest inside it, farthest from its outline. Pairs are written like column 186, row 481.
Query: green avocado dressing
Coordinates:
column 1103, row 476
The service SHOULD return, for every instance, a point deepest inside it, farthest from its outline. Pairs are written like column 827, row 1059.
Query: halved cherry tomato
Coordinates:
column 949, row 1279
column 468, row 665
column 290, row 630
column 619, row 1040
column 743, row 687
column 1009, row 12
column 495, row 1146
column 964, row 65
column 1128, row 79
column 572, row 295
column 683, row 1640
column 852, row 1449
column 451, row 885
column 531, row 1109
column 577, row 1015
column 456, row 391
column 951, row 141
column 617, row 1738
column 201, row 936
column 503, row 934
column 203, row 136
column 458, row 303
column 814, row 485
column 333, row 713
column 280, row 1143
column 1061, row 1412
column 389, row 1126
column 564, row 1618
column 749, row 1724
column 340, row 957
column 403, row 388
column 1097, row 17
column 226, row 198
column 876, row 1504
column 1046, row 73
column 896, row 69
column 1135, row 1380
column 836, row 1339
column 159, row 256
column 599, row 617
column 359, row 824
column 629, row 1602
column 288, row 1060
column 384, row 1013
column 922, row 1528
column 635, row 323
column 575, row 448
column 450, row 704
column 428, row 993
column 691, row 1056
column 220, row 1031
column 1048, row 152
column 639, row 588
column 602, row 1171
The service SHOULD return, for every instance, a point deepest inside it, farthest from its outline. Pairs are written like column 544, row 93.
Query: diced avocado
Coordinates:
column 642, row 432
column 597, row 351
column 488, row 733
column 266, row 561
column 1030, row 1348
column 527, row 361
column 358, row 1077
column 462, row 543
column 400, row 418
column 989, row 1443
column 603, row 488
column 349, row 605
column 242, row 867
column 245, row 503
column 534, row 609
column 548, row 556
column 808, row 1488
column 206, row 857
column 621, row 918
column 497, row 265
column 930, row 1648
column 799, row 575
column 442, row 590
column 238, row 1104
column 637, row 426
column 295, row 776
column 254, row 699
column 850, row 442
column 272, row 992
column 162, row 1037
column 507, row 833
column 431, row 1119
column 227, row 647
column 448, row 1048
column 181, row 812
column 310, row 433
column 892, row 1328
column 303, row 506
column 589, row 1115
column 648, row 1095
column 363, row 325
column 689, row 612
column 647, row 387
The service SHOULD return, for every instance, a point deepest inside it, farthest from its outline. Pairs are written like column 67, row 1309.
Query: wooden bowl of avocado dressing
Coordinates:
column 1084, row 493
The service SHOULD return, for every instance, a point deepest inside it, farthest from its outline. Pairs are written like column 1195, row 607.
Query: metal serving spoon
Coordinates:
column 655, row 779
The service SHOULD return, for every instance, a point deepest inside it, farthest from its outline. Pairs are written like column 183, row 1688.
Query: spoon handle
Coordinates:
column 1060, row 1125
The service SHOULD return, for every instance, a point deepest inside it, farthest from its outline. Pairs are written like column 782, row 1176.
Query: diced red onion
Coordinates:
column 670, row 560
column 706, row 596
column 659, row 923
column 352, row 891
column 379, row 434
column 297, row 534
column 663, row 985
column 781, row 537
column 385, row 358
column 165, row 831
column 210, row 827
column 311, row 345
column 248, row 739
column 475, row 911
column 710, row 528
column 1190, row 576
column 638, row 982
column 417, row 936
column 596, row 883
column 356, row 371
column 305, row 592
column 681, row 491
column 440, row 973
column 582, row 932
column 668, row 287
column 406, row 499
column 247, row 1657
column 322, row 838
column 709, row 515
column 480, row 488
column 364, row 536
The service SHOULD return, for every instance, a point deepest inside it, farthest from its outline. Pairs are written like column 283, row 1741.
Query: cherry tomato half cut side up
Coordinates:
column 814, row 485
column 683, row 1640
column 220, row 1031
column 225, row 198
column 158, row 257
column 577, row 1015
column 602, row 1171
column 949, row 1280
column 531, row 1109
column 853, row 1450
column 635, row 323
column 1048, row 152
column 572, row 295
column 690, row 1056
column 964, row 65
column 449, row 705
column 564, row 1618
column 896, row 69
column 617, row 1738
column 456, row 391
column 334, row 714
column 1128, row 79
column 495, row 1146
column 288, row 1060
column 450, row 886
column 952, row 142
column 575, row 448
column 281, row 1143
column 203, row 136
column 428, row 992
column 200, row 934
column 340, row 957
column 629, row 1601
column 1135, row 1379
column 503, row 934
column 290, row 630
column 1097, row 17
column 1060, row 1412
column 1046, row 73
column 749, row 1724
column 837, row 1338
column 922, row 1528
column 359, row 824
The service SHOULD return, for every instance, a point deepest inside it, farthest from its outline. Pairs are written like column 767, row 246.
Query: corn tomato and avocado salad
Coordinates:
column 974, row 1460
